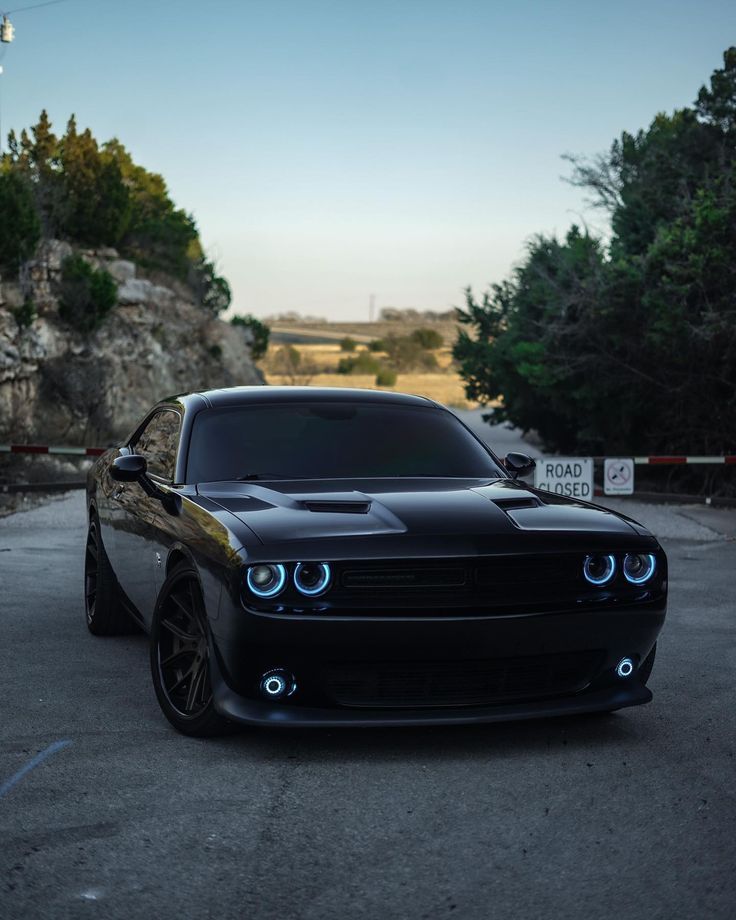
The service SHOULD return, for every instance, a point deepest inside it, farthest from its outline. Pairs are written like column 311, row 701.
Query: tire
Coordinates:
column 104, row 612
column 646, row 666
column 180, row 657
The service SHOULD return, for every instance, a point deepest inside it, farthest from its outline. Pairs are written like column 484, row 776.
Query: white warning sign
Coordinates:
column 572, row 476
column 618, row 476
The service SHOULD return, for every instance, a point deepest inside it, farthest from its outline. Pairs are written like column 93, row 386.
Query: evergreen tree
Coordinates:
column 631, row 346
column 20, row 228
column 98, row 196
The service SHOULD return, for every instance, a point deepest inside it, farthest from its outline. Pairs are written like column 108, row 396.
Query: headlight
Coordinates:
column 266, row 579
column 639, row 567
column 598, row 569
column 312, row 578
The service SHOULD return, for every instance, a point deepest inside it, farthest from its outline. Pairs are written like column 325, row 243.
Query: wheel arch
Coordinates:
column 210, row 585
column 178, row 554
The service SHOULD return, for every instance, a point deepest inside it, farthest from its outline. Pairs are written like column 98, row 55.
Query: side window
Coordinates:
column 158, row 443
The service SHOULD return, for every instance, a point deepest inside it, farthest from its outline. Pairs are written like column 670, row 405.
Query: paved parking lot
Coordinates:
column 627, row 815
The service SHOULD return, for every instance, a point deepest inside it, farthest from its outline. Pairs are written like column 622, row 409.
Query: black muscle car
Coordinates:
column 354, row 557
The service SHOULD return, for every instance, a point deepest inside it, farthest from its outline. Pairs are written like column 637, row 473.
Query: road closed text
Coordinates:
column 570, row 476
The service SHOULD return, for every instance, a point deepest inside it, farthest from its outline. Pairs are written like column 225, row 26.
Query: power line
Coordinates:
column 35, row 6
column 7, row 38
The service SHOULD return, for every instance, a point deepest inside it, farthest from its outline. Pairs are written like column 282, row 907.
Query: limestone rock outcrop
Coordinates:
column 60, row 385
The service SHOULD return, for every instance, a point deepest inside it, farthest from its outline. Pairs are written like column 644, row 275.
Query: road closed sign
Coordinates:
column 571, row 476
column 618, row 476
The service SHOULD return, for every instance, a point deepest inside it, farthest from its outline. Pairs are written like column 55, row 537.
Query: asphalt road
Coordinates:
column 501, row 438
column 627, row 815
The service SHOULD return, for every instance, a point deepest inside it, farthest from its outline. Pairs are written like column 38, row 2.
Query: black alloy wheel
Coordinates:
column 91, row 572
column 105, row 615
column 180, row 657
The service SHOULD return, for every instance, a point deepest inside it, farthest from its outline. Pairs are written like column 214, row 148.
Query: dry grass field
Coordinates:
column 318, row 363
column 362, row 332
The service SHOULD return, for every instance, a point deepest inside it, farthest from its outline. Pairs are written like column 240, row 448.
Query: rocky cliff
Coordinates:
column 60, row 385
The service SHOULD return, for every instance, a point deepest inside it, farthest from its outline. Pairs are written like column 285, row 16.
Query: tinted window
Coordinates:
column 333, row 440
column 158, row 443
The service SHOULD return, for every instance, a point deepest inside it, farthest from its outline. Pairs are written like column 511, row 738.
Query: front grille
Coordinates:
column 405, row 578
column 439, row 587
column 531, row 570
column 413, row 684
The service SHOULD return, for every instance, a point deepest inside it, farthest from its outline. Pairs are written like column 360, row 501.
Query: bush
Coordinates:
column 87, row 294
column 386, row 377
column 212, row 289
column 260, row 331
column 429, row 339
column 376, row 345
column 25, row 313
column 363, row 363
column 288, row 361
column 20, row 228
column 406, row 354
column 348, row 344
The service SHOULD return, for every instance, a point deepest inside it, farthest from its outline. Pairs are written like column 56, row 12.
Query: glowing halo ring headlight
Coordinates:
column 599, row 569
column 639, row 567
column 266, row 579
column 312, row 578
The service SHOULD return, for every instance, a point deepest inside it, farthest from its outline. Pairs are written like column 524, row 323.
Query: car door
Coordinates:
column 135, row 548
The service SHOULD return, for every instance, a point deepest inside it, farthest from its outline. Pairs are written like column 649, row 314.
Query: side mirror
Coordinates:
column 518, row 464
column 131, row 468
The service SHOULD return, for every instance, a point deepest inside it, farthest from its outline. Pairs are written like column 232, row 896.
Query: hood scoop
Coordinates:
column 516, row 504
column 337, row 507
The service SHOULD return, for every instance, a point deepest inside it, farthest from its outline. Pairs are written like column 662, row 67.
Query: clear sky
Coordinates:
column 330, row 150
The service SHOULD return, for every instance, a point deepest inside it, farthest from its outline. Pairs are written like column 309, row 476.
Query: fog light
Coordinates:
column 625, row 667
column 266, row 579
column 277, row 684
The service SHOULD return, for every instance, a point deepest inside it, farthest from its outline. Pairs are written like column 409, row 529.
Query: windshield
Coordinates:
column 336, row 440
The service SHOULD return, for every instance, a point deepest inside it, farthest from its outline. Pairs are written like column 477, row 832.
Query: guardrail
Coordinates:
column 46, row 449
column 675, row 460
column 51, row 449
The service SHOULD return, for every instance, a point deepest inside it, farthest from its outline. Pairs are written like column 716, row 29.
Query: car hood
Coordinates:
column 278, row 512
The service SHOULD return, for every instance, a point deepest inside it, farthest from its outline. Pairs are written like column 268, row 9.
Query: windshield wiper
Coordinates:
column 439, row 476
column 250, row 477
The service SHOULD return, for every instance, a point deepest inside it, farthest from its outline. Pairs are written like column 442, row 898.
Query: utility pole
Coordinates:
column 7, row 34
column 371, row 308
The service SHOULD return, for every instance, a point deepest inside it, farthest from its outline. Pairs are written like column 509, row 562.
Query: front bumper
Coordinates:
column 255, row 712
column 245, row 645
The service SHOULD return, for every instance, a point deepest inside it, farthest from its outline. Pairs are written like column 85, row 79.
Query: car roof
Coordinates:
column 242, row 396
